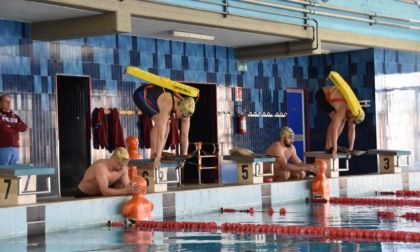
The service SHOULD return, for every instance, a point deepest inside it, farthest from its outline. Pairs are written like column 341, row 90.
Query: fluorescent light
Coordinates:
column 325, row 51
column 190, row 35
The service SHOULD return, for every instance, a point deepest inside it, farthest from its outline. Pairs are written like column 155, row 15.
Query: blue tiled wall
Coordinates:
column 28, row 69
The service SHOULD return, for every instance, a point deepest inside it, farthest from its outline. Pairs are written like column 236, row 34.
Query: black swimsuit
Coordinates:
column 323, row 102
column 80, row 194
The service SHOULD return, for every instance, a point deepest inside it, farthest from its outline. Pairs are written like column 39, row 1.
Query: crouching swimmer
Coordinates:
column 283, row 150
column 138, row 208
column 107, row 177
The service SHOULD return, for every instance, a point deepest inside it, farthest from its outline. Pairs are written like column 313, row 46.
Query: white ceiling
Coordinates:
column 26, row 11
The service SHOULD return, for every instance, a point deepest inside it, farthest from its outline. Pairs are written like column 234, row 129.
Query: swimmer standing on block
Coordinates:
column 164, row 107
column 335, row 105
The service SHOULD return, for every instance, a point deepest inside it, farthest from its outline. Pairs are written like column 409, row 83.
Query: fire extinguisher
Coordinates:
column 241, row 119
column 242, row 123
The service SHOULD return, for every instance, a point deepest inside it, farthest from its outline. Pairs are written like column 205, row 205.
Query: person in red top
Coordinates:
column 10, row 126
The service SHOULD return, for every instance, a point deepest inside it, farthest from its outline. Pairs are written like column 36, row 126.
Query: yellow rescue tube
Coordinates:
column 349, row 95
column 162, row 81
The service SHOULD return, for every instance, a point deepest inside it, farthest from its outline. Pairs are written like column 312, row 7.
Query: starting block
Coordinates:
column 333, row 168
column 251, row 169
column 157, row 179
column 389, row 160
column 18, row 183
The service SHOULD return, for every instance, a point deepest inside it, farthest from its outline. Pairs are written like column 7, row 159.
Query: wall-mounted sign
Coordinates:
column 241, row 66
column 238, row 94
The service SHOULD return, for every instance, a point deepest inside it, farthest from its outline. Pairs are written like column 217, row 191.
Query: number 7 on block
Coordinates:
column 8, row 189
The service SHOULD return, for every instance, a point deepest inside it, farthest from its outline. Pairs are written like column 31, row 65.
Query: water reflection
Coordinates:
column 300, row 214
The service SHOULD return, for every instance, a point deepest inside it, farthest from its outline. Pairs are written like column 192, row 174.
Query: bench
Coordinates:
column 157, row 179
column 251, row 169
column 18, row 183
column 333, row 168
column 389, row 160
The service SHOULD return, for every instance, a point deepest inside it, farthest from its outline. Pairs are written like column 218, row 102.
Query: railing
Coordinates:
column 292, row 9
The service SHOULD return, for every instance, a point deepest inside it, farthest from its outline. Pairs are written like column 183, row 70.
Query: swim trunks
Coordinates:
column 80, row 194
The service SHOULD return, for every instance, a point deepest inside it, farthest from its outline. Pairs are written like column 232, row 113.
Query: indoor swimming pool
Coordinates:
column 301, row 214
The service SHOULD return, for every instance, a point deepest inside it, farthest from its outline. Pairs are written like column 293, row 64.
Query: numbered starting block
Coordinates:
column 18, row 183
column 157, row 179
column 389, row 160
column 333, row 168
column 251, row 169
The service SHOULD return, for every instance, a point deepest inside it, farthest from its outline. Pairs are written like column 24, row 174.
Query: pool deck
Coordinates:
column 55, row 214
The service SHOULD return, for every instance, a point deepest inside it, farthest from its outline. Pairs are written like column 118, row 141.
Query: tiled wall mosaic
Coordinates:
column 28, row 69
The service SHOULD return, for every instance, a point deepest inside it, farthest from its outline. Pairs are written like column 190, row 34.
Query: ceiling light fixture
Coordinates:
column 190, row 35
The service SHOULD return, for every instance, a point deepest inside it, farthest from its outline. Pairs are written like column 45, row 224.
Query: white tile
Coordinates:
column 76, row 215
column 7, row 218
column 19, row 221
column 52, row 218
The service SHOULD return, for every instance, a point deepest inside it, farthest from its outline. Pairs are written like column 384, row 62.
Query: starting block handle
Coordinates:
column 159, row 177
column 341, row 169
column 398, row 161
column 24, row 191
column 259, row 171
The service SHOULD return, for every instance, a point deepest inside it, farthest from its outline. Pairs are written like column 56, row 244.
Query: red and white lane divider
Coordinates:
column 392, row 215
column 375, row 201
column 346, row 234
column 270, row 211
column 401, row 193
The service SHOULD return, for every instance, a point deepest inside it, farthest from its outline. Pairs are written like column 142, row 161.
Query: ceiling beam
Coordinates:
column 96, row 25
column 279, row 50
column 369, row 41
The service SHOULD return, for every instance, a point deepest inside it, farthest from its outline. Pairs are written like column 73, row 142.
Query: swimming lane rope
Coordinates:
column 347, row 234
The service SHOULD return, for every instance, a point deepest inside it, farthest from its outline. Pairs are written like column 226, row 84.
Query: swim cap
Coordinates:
column 286, row 132
column 187, row 107
column 121, row 156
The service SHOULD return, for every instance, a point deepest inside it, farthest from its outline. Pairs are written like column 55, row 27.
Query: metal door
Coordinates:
column 74, row 131
column 296, row 119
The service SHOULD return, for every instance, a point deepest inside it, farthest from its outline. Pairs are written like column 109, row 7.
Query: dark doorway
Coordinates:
column 73, row 106
column 203, row 129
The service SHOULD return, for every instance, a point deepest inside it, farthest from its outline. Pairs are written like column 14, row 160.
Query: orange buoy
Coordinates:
column 282, row 211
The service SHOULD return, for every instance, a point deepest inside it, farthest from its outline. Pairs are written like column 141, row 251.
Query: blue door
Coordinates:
column 296, row 119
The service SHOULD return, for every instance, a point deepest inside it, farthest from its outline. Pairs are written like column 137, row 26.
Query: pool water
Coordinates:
column 103, row 238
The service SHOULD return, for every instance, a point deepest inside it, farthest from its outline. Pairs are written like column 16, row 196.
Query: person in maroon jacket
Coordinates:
column 10, row 126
